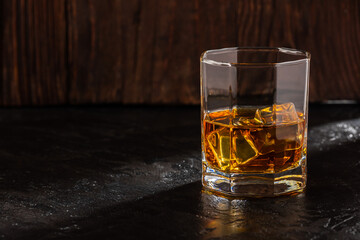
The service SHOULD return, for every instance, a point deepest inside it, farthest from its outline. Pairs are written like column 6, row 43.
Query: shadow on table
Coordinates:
column 59, row 164
column 60, row 146
column 329, row 207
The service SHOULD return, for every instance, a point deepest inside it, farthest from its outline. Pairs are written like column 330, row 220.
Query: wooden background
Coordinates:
column 147, row 51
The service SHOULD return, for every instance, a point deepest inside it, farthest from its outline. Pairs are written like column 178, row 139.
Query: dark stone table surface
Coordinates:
column 115, row 172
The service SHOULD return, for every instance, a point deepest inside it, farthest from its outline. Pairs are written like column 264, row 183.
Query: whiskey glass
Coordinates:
column 254, row 107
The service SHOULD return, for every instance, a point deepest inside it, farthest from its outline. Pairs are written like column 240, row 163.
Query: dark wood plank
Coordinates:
column 330, row 30
column 148, row 51
column 94, row 51
column 133, row 52
column 117, row 51
column 33, row 56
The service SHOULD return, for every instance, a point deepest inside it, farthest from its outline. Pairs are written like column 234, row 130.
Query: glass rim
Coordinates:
column 290, row 51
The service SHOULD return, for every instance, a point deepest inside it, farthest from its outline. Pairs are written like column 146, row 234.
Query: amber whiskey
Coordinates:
column 254, row 140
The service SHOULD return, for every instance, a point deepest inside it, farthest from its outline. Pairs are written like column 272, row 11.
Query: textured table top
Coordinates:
column 119, row 172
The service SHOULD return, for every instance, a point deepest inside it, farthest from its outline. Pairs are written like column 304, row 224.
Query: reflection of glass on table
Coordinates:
column 249, row 218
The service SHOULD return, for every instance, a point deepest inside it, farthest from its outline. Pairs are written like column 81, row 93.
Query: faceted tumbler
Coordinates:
column 254, row 105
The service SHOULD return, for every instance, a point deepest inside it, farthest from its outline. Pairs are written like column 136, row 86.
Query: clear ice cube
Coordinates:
column 244, row 149
column 219, row 142
column 220, row 117
column 279, row 139
column 236, row 145
column 276, row 114
column 264, row 140
column 243, row 116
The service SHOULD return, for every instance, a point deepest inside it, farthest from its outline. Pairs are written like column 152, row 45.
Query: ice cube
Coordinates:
column 236, row 145
column 242, row 121
column 277, row 114
column 287, row 132
column 219, row 142
column 220, row 117
column 278, row 138
column 264, row 139
column 243, row 116
column 244, row 149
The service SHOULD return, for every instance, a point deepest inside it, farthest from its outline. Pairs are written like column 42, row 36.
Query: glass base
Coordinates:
column 255, row 184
